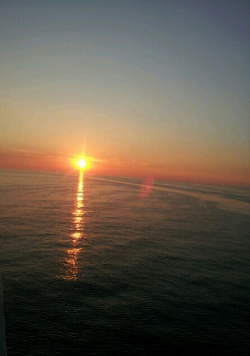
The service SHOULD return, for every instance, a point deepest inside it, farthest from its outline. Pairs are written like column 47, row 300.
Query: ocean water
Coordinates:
column 109, row 266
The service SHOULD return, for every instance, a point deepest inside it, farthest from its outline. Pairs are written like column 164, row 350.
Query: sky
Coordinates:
column 140, row 88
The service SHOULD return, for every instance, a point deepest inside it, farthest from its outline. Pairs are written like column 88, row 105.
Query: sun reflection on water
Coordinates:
column 71, row 260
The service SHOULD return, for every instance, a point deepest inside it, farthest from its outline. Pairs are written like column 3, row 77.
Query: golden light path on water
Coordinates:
column 77, row 235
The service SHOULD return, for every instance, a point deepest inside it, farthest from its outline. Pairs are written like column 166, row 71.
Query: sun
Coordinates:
column 81, row 163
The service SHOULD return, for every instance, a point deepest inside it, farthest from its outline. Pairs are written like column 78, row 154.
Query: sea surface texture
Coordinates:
column 114, row 266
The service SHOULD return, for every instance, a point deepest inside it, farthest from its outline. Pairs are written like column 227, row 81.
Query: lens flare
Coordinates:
column 147, row 187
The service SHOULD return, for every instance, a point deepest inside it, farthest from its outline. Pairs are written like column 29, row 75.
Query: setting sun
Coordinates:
column 82, row 163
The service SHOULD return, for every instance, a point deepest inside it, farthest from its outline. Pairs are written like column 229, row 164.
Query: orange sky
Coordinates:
column 212, row 173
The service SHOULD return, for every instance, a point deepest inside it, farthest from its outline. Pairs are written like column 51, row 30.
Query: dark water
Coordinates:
column 90, row 268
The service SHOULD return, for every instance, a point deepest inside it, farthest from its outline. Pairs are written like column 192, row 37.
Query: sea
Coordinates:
column 97, row 265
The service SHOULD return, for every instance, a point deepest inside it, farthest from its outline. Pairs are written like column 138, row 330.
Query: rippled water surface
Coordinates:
column 90, row 266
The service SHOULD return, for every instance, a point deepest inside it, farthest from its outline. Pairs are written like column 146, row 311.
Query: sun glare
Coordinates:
column 81, row 163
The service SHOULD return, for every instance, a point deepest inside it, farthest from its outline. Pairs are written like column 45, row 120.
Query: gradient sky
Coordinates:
column 141, row 87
